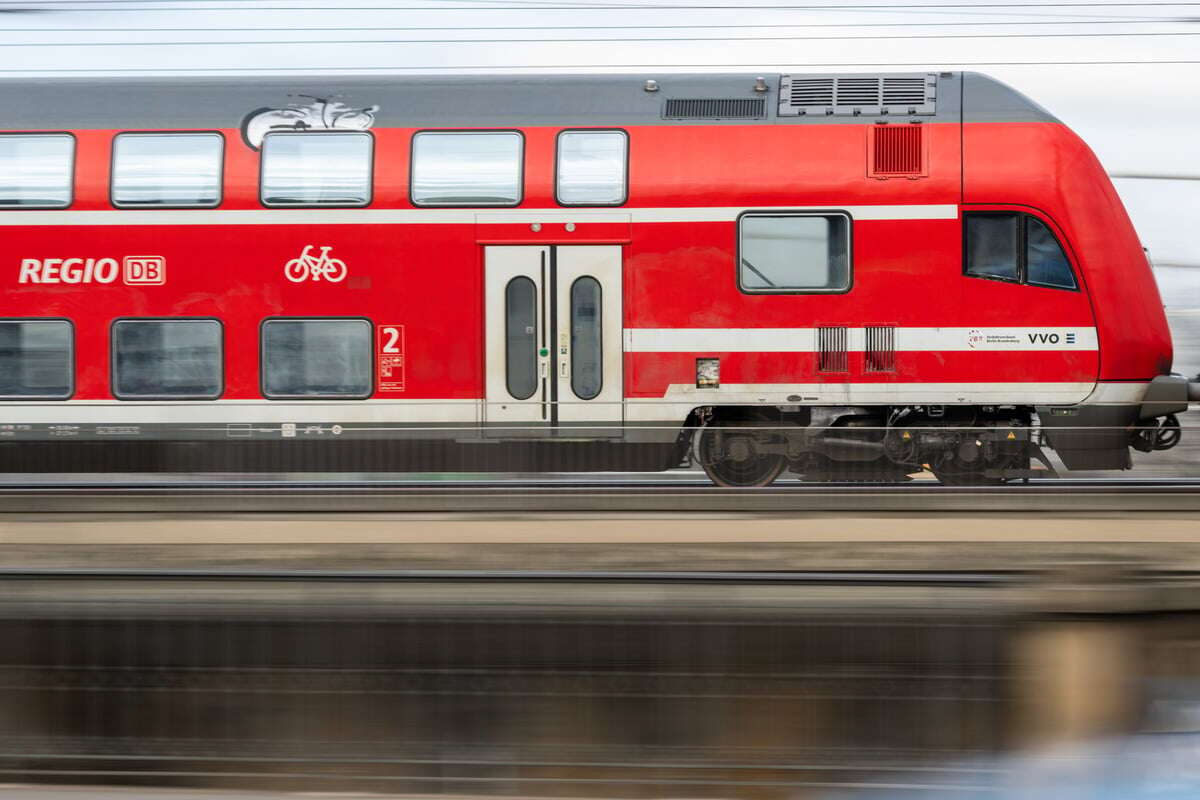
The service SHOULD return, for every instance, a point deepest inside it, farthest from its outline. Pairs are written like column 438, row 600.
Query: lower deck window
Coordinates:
column 36, row 359
column 177, row 359
column 793, row 253
column 314, row 358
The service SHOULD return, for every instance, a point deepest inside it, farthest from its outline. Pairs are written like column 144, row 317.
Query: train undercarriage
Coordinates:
column 958, row 445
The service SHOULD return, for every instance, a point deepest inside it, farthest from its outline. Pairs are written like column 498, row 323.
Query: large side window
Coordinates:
column 167, row 169
column 313, row 358
column 176, row 359
column 781, row 252
column 36, row 170
column 36, row 359
column 317, row 168
column 591, row 168
column 1016, row 247
column 467, row 168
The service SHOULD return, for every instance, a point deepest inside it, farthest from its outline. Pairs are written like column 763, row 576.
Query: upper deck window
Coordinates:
column 793, row 253
column 592, row 167
column 467, row 168
column 1016, row 247
column 317, row 169
column 167, row 169
column 36, row 170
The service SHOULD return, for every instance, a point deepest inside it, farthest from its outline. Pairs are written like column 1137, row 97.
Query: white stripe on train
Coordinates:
column 446, row 216
column 804, row 340
column 670, row 409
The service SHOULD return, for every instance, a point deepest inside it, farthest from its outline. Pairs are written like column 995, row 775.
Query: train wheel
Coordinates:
column 733, row 455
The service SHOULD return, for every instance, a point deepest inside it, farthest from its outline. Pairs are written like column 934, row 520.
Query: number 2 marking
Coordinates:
column 391, row 337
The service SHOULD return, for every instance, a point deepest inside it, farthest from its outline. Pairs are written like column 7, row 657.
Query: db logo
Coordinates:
column 314, row 268
column 133, row 270
column 144, row 270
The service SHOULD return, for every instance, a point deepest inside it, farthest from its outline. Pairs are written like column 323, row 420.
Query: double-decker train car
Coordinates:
column 838, row 274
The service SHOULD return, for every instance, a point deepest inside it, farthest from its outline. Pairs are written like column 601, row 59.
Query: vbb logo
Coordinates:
column 308, row 267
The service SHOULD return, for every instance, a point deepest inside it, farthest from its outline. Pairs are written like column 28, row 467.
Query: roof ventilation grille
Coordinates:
column 851, row 95
column 715, row 108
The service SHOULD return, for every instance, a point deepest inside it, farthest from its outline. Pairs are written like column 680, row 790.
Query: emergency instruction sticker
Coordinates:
column 390, row 358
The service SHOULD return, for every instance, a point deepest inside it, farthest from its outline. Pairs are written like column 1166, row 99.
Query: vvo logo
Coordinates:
column 1051, row 338
column 133, row 270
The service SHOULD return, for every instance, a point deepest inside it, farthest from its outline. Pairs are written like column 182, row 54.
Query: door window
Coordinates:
column 587, row 356
column 520, row 315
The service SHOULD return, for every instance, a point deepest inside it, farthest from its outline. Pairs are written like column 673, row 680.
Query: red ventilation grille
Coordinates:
column 897, row 151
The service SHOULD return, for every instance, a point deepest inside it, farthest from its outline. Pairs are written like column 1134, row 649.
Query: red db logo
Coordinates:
column 144, row 270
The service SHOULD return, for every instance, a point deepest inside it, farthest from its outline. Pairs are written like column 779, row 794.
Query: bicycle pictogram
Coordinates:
column 310, row 267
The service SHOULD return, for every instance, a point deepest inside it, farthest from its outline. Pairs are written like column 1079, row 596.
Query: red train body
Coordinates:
column 918, row 330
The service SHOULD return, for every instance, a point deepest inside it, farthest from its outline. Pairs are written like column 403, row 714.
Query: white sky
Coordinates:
column 1140, row 118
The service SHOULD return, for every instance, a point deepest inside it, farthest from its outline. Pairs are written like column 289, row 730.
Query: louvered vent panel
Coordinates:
column 858, row 92
column 811, row 92
column 832, row 341
column 880, row 351
column 715, row 108
column 903, row 91
column 897, row 150
column 851, row 95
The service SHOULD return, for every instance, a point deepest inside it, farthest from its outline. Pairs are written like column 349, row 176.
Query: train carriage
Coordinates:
column 839, row 274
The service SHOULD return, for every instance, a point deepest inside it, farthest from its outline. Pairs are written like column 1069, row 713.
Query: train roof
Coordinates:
column 576, row 100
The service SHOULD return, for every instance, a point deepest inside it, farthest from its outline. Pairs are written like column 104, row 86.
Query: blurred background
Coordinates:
column 624, row 635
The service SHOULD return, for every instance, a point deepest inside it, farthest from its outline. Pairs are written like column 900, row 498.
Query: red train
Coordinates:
column 841, row 274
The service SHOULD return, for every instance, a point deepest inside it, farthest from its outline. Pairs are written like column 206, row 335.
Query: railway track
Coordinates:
column 681, row 495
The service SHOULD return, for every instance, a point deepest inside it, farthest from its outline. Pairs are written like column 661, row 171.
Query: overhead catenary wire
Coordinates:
column 620, row 39
column 661, row 68
column 528, row 5
column 710, row 26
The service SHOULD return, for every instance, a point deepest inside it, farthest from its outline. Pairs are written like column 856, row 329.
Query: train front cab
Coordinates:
column 1015, row 152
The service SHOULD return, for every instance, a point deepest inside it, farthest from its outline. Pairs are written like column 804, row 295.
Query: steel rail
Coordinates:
column 665, row 496
column 651, row 577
